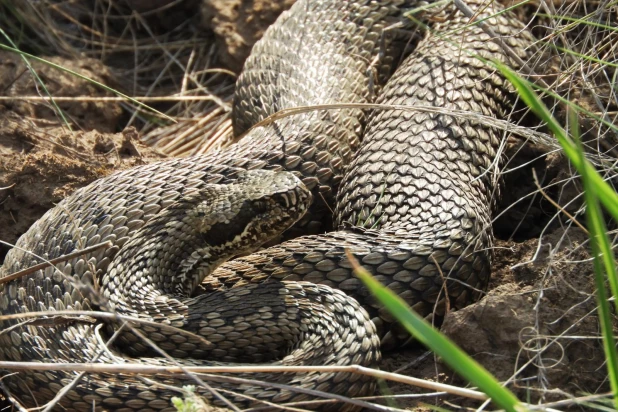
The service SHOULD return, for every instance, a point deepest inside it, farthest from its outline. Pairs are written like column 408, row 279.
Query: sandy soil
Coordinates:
column 41, row 160
column 238, row 24
column 537, row 321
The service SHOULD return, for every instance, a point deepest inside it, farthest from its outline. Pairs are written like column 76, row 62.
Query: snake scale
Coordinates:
column 413, row 205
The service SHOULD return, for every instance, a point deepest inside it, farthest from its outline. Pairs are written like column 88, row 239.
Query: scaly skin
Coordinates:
column 422, row 182
column 415, row 205
column 339, row 40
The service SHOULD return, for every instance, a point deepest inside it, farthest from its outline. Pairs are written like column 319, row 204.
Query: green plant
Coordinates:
column 190, row 402
column 597, row 192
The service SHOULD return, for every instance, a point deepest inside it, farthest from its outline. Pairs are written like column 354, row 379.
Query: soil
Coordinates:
column 536, row 326
column 238, row 24
column 41, row 160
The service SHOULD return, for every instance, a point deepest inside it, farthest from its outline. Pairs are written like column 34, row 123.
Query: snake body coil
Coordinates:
column 415, row 205
column 421, row 182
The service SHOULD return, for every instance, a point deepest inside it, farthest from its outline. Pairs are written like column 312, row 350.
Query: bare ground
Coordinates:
column 536, row 326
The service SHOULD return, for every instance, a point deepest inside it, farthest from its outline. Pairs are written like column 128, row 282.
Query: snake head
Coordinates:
column 205, row 227
column 259, row 205
column 235, row 219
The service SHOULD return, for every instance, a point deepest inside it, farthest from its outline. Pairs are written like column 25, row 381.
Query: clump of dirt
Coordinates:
column 238, row 24
column 39, row 166
column 30, row 100
column 537, row 326
column 41, row 161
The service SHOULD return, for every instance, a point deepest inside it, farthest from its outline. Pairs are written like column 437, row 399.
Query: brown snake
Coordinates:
column 414, row 207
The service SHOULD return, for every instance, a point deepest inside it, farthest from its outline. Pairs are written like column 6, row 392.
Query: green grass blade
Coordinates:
column 548, row 92
column 478, row 20
column 581, row 55
column 604, row 262
column 577, row 21
column 605, row 193
column 81, row 76
column 596, row 191
column 441, row 345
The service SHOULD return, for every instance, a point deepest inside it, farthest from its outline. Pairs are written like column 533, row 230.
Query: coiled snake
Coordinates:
column 413, row 207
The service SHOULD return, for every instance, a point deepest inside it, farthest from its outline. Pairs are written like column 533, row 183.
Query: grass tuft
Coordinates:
column 422, row 330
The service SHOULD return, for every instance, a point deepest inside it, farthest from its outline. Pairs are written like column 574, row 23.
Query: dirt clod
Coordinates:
column 17, row 81
column 39, row 166
column 238, row 24
column 537, row 325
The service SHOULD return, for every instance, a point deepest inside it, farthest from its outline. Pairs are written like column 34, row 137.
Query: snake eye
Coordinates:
column 283, row 201
column 260, row 206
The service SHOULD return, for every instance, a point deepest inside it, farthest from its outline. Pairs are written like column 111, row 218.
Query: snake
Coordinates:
column 412, row 193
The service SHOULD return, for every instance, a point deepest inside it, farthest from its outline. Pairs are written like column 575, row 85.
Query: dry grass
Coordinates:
column 575, row 62
column 148, row 60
